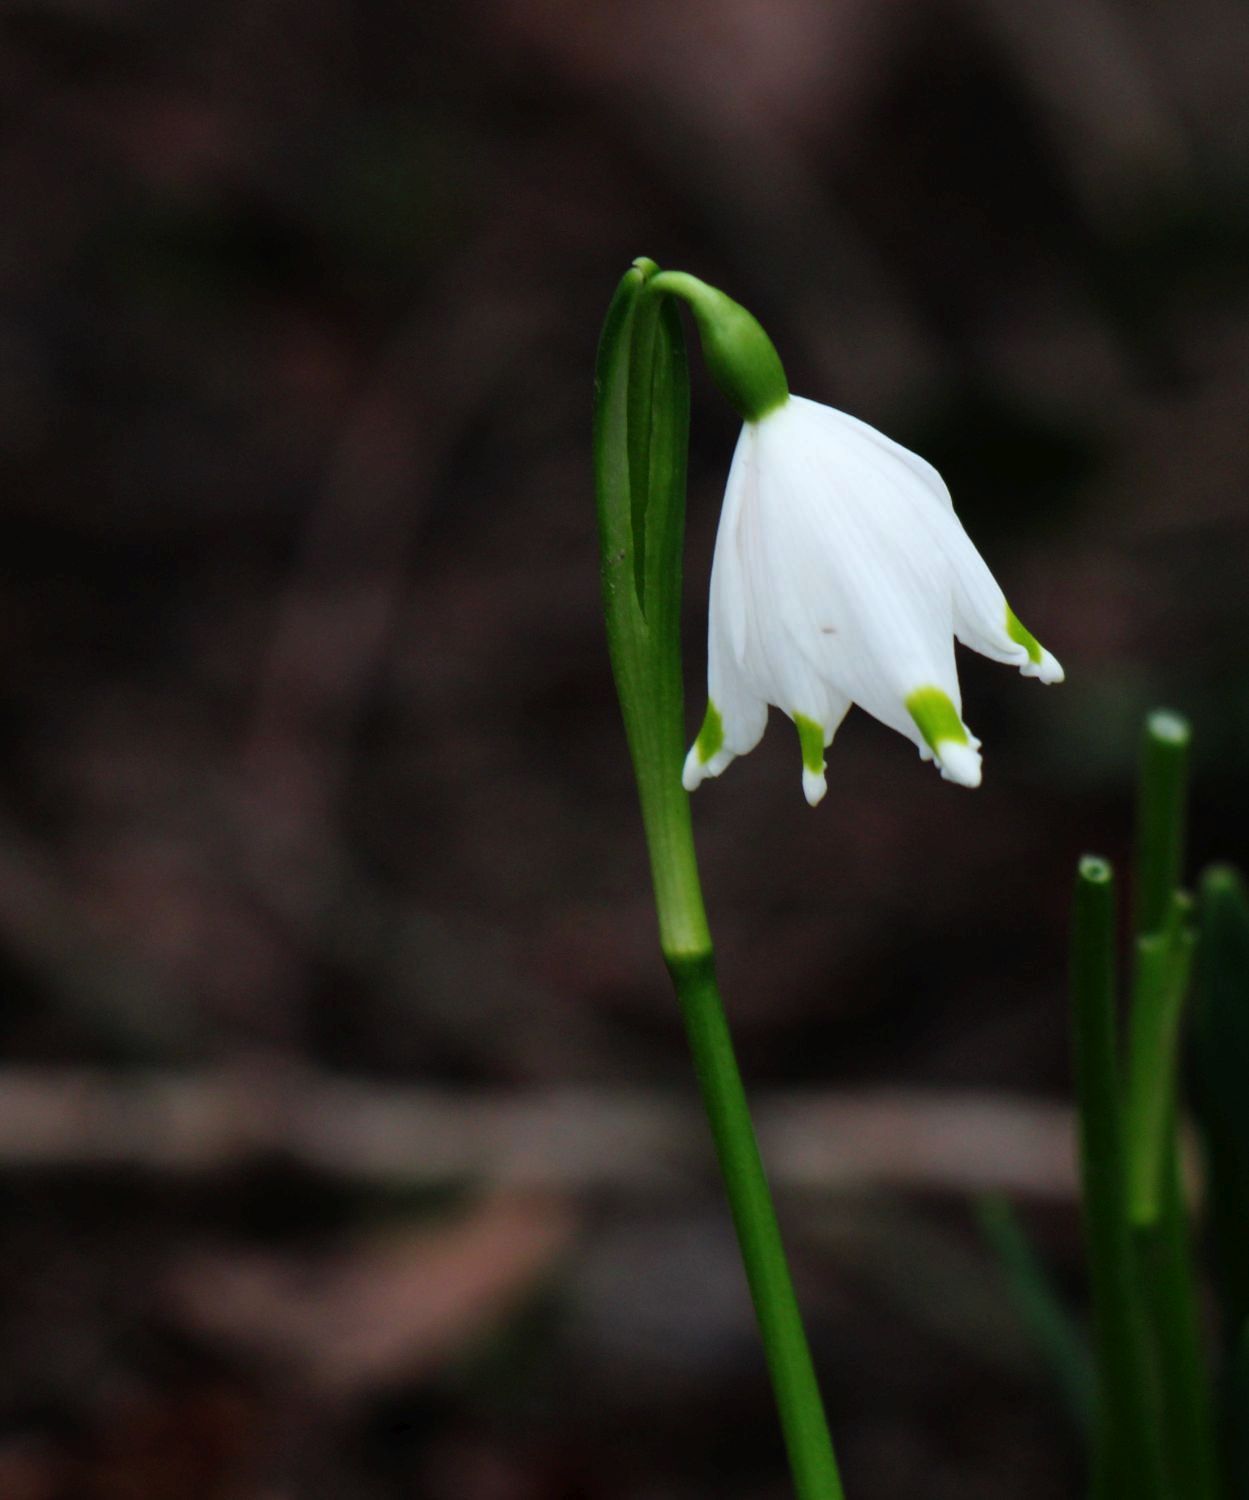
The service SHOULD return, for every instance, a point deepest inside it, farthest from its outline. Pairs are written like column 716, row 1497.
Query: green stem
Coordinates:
column 1221, row 1034
column 1058, row 1339
column 1159, row 985
column 1127, row 1456
column 1164, row 950
column 1159, row 1213
column 803, row 1423
column 1160, row 816
column 1165, row 1255
column 640, row 442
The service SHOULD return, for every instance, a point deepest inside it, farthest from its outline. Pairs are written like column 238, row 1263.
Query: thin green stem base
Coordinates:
column 803, row 1423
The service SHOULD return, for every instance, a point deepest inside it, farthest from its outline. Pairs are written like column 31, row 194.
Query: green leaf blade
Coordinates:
column 1127, row 1458
column 1221, row 1046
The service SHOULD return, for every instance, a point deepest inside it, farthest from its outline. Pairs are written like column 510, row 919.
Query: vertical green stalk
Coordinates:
column 1188, row 1430
column 1221, row 1034
column 1159, row 985
column 1164, row 949
column 1221, row 1037
column 640, row 440
column 1127, row 1460
column 1057, row 1337
column 803, row 1423
column 1160, row 816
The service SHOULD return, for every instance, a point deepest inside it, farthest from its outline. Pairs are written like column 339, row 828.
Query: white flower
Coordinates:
column 842, row 575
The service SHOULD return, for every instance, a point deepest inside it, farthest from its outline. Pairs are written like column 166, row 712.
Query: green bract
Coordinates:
column 641, row 434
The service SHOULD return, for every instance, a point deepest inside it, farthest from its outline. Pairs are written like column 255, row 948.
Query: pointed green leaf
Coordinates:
column 1160, row 817
column 1127, row 1458
column 1058, row 1339
column 1160, row 984
column 1221, row 1048
column 641, row 433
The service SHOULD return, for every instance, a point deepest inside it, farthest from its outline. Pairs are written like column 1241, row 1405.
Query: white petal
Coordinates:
column 768, row 557
column 841, row 575
column 982, row 618
column 742, row 720
column 742, row 711
column 696, row 770
column 815, row 735
column 943, row 735
column 729, row 598
column 861, row 597
column 960, row 763
column 851, row 428
column 814, row 786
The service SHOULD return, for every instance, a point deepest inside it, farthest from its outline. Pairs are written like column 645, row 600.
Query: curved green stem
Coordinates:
column 640, row 440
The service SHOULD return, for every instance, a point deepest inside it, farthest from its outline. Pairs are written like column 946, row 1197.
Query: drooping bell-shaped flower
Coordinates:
column 841, row 575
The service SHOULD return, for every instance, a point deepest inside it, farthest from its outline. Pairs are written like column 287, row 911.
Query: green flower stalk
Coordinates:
column 842, row 575
column 640, row 442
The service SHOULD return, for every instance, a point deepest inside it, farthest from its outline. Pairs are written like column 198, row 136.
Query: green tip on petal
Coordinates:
column 936, row 718
column 1040, row 664
column 811, row 738
column 711, row 736
column 811, row 741
column 708, row 755
column 945, row 734
column 1020, row 634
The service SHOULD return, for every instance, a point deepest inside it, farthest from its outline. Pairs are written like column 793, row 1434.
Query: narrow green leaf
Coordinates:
column 1157, row 1207
column 1160, row 983
column 668, row 444
column 641, row 432
column 1057, row 1337
column 1165, row 1253
column 1160, row 817
column 1127, row 1459
column 1221, row 1055
column 646, row 410
column 611, row 451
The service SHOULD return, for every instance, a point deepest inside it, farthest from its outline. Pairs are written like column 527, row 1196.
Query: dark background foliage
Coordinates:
column 344, row 1127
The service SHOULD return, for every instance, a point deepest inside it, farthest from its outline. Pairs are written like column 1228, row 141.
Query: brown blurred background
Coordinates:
column 347, row 1140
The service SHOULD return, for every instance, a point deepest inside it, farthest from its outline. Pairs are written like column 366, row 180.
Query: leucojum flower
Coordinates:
column 841, row 575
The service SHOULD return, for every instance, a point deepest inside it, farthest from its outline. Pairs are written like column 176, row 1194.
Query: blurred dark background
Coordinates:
column 347, row 1144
